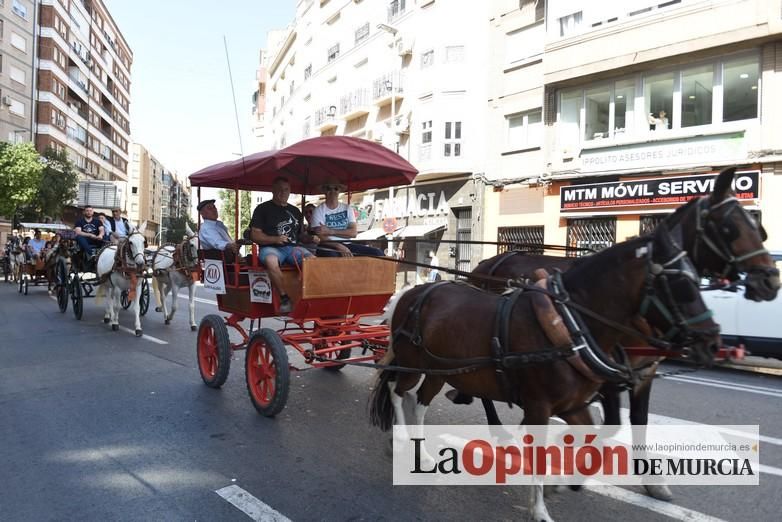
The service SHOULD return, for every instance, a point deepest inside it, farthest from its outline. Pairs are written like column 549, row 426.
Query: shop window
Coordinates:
column 585, row 234
column 740, row 89
column 697, row 88
column 526, row 239
column 596, row 113
column 463, row 233
column 647, row 224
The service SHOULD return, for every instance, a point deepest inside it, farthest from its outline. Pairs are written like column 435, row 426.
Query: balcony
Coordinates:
column 354, row 104
column 386, row 87
column 324, row 118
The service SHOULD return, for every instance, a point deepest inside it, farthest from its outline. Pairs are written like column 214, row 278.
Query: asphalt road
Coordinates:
column 101, row 425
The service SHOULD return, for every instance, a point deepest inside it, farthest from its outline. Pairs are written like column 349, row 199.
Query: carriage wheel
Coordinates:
column 143, row 301
column 21, row 284
column 62, row 286
column 76, row 297
column 26, row 285
column 266, row 372
column 124, row 301
column 214, row 351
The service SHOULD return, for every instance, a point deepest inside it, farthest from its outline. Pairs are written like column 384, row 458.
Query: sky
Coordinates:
column 182, row 109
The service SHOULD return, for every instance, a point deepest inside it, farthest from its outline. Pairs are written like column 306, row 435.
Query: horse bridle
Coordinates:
column 122, row 251
column 707, row 231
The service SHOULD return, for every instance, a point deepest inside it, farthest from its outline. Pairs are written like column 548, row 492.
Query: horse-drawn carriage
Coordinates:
column 332, row 297
column 39, row 269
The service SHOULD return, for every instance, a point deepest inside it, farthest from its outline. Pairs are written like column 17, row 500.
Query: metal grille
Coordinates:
column 594, row 233
column 649, row 223
column 526, row 236
column 463, row 233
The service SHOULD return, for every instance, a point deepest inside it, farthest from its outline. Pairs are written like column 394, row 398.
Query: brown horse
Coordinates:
column 615, row 283
column 722, row 239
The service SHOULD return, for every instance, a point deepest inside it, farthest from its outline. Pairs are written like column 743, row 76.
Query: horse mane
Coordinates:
column 676, row 218
column 606, row 257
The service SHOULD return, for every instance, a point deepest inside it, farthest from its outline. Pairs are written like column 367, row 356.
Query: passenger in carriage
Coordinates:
column 120, row 228
column 277, row 227
column 89, row 232
column 36, row 246
column 335, row 222
column 213, row 234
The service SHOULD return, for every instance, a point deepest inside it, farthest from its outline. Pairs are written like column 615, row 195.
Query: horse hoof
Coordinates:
column 158, row 309
column 115, row 327
column 106, row 320
column 139, row 333
column 193, row 328
column 659, row 491
column 168, row 321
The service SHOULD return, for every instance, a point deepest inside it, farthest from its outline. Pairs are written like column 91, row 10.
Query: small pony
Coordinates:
column 175, row 267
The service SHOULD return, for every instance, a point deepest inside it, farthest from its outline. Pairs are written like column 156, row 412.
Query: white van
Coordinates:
column 758, row 326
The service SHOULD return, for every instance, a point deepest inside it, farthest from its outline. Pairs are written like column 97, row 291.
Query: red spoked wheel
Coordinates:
column 267, row 372
column 214, row 351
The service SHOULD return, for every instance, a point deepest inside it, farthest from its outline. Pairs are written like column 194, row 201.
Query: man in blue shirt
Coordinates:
column 89, row 232
column 213, row 235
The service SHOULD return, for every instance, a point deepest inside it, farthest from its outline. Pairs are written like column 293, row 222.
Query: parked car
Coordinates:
column 758, row 326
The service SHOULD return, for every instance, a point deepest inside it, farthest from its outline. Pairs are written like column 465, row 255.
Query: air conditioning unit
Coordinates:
column 404, row 46
column 7, row 101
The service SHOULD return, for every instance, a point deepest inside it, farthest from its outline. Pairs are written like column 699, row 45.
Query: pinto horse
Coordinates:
column 120, row 268
column 722, row 240
column 174, row 266
column 615, row 285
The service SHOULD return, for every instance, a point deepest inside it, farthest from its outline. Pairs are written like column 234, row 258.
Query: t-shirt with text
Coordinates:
column 275, row 220
column 338, row 218
column 91, row 227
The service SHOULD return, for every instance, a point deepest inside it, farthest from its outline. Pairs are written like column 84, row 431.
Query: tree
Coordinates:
column 59, row 185
column 176, row 229
column 20, row 176
column 228, row 209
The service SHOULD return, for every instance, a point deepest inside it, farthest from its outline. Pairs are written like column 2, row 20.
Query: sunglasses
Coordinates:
column 331, row 187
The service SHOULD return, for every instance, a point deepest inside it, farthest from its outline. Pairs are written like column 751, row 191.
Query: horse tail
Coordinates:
column 381, row 411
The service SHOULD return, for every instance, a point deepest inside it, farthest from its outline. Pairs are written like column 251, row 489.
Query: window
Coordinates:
column 658, row 95
column 18, row 8
column 17, row 75
column 16, row 107
column 624, row 100
column 19, row 42
column 570, row 117
column 525, row 130
column 395, row 9
column 597, row 102
column 362, row 33
column 426, row 131
column 454, row 54
column 308, row 71
column 134, row 190
column 427, row 59
column 740, row 89
column 697, row 88
column 524, row 43
column 333, row 53
column 452, row 145
column 570, row 24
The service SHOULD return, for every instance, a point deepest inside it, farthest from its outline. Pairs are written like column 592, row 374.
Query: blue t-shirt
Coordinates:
column 90, row 227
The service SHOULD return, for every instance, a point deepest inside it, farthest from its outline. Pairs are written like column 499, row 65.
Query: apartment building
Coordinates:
column 83, row 93
column 642, row 102
column 17, row 81
column 394, row 72
column 145, row 192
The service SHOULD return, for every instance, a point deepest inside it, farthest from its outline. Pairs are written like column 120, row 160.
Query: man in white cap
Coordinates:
column 213, row 234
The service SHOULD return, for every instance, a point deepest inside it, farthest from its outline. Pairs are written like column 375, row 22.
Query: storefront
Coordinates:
column 412, row 222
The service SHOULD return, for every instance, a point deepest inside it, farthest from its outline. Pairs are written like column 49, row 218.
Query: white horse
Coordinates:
column 174, row 267
column 120, row 267
column 16, row 259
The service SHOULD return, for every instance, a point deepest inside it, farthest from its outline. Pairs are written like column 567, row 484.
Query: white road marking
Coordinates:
column 198, row 299
column 741, row 385
column 251, row 506
column 658, row 506
column 727, row 386
column 664, row 420
column 144, row 336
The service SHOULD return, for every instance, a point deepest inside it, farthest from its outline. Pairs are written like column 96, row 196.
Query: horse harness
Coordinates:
column 562, row 324
column 122, row 267
column 184, row 263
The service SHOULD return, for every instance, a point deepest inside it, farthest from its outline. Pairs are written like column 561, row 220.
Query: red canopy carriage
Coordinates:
column 331, row 297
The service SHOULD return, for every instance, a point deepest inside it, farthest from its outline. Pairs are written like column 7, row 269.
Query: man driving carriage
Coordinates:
column 277, row 227
column 89, row 232
column 213, row 234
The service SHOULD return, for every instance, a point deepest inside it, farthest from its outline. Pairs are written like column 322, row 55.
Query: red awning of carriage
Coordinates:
column 358, row 163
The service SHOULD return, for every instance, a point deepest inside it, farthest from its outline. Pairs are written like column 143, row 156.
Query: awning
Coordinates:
column 372, row 233
column 417, row 231
column 46, row 226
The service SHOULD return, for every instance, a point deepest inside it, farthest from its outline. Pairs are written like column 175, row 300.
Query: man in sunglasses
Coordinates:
column 335, row 222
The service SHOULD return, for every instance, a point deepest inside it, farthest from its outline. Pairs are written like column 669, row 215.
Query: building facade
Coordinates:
column 642, row 103
column 392, row 72
column 145, row 192
column 83, row 93
column 17, row 79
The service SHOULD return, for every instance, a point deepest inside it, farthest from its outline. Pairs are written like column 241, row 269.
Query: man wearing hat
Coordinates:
column 213, row 234
column 335, row 222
